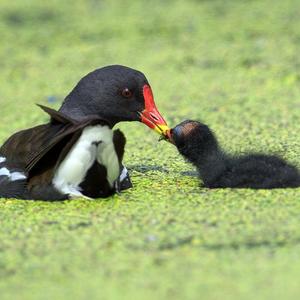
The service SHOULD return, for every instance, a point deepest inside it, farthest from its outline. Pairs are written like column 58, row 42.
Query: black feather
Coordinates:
column 217, row 169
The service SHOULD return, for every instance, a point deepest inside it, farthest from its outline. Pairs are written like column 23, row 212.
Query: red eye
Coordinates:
column 126, row 93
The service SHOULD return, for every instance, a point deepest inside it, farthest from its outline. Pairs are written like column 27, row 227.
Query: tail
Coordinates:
column 12, row 189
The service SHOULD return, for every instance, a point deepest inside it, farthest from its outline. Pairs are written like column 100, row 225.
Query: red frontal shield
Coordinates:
column 151, row 116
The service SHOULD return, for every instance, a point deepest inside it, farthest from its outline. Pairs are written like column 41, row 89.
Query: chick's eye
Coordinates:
column 126, row 93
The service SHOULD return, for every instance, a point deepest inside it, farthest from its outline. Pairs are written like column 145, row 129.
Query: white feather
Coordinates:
column 123, row 174
column 4, row 172
column 12, row 176
column 17, row 176
column 2, row 159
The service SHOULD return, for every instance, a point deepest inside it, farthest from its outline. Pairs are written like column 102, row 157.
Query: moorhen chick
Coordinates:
column 218, row 169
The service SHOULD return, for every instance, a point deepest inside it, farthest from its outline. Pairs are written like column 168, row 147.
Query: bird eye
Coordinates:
column 126, row 93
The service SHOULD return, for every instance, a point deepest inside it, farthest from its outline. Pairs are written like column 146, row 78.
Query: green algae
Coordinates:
column 233, row 65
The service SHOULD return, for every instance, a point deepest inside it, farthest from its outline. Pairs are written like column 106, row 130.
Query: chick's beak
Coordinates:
column 151, row 116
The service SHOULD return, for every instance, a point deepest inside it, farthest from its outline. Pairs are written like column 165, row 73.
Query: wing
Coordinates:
column 40, row 146
column 119, row 141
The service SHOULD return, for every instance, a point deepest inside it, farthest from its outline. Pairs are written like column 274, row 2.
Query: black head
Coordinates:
column 193, row 138
column 114, row 93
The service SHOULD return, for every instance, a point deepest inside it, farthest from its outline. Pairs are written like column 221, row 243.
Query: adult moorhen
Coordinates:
column 77, row 153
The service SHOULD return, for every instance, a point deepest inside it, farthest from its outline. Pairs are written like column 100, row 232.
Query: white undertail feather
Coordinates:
column 95, row 142
column 2, row 159
column 123, row 174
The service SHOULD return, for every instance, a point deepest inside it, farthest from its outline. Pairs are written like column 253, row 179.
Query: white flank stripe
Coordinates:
column 17, row 176
column 12, row 176
column 4, row 172
column 2, row 159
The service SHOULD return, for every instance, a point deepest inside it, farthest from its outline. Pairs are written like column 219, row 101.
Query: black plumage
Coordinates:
column 217, row 169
